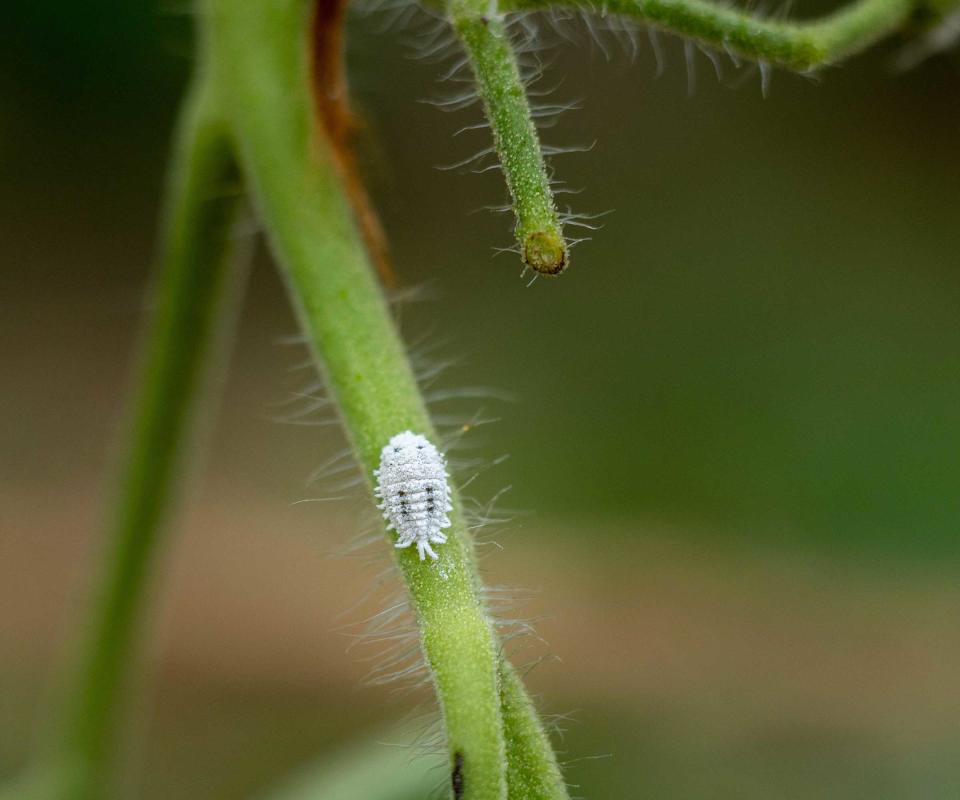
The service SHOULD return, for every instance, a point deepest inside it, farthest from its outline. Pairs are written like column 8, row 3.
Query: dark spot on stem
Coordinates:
column 457, row 777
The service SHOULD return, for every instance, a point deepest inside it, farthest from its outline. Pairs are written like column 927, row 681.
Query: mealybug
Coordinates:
column 413, row 491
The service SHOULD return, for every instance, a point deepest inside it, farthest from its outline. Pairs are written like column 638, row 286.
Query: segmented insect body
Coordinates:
column 413, row 491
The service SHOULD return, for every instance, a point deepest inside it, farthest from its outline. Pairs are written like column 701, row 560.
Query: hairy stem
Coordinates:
column 484, row 35
column 532, row 769
column 191, row 305
column 293, row 180
column 801, row 46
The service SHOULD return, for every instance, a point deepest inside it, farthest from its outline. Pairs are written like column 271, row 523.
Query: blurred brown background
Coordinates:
column 735, row 436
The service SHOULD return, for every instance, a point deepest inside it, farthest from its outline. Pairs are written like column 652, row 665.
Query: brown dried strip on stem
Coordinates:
column 340, row 124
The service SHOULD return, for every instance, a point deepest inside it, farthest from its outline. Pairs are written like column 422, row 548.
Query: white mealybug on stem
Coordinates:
column 413, row 491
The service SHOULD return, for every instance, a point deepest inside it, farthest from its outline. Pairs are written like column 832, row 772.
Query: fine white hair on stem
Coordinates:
column 388, row 640
column 689, row 55
column 580, row 219
column 409, row 295
column 455, row 102
column 434, row 44
column 486, row 516
column 657, row 48
column 475, row 126
column 546, row 115
column 714, row 59
column 604, row 29
column 468, row 393
column 390, row 14
column 308, row 405
column 515, row 249
column 470, row 160
column 766, row 74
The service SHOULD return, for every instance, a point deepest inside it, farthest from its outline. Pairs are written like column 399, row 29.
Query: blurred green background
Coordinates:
column 735, row 437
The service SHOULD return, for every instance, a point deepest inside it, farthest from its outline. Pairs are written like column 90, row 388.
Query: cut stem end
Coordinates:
column 545, row 252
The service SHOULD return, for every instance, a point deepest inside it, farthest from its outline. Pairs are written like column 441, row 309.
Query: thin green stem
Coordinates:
column 538, row 231
column 801, row 46
column 192, row 299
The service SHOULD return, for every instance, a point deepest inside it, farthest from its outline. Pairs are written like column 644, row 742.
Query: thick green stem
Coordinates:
column 801, row 46
column 261, row 58
column 483, row 32
column 191, row 302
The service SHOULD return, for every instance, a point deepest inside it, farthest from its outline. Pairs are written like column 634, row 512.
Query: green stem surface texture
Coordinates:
column 192, row 305
column 532, row 769
column 538, row 231
column 292, row 178
column 801, row 46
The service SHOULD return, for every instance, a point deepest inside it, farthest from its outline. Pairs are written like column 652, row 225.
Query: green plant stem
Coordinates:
column 191, row 305
column 801, row 46
column 538, row 231
column 532, row 769
column 261, row 60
